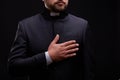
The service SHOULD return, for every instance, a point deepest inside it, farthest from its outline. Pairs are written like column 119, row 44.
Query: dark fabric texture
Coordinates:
column 34, row 34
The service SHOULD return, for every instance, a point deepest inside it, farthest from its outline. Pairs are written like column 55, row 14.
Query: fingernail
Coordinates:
column 74, row 40
column 74, row 53
column 77, row 44
column 77, row 48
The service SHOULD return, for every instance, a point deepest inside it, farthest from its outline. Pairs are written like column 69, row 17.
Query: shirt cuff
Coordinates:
column 48, row 58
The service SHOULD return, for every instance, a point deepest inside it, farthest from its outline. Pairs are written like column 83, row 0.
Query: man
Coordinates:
column 52, row 45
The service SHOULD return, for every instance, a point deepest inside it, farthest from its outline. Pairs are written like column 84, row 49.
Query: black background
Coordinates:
column 103, row 17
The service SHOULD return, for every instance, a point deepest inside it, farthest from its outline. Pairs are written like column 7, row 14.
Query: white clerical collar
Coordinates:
column 54, row 14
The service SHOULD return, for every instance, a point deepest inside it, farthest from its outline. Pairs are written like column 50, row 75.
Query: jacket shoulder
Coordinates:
column 78, row 19
column 31, row 19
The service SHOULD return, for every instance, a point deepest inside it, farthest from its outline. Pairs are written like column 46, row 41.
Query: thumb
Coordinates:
column 55, row 40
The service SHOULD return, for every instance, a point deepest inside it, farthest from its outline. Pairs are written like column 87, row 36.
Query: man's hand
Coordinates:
column 62, row 51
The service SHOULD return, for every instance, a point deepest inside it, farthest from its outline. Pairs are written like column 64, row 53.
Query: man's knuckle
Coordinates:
column 65, row 52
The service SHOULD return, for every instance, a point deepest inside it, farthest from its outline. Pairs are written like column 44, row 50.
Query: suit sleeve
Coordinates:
column 18, row 62
column 88, row 54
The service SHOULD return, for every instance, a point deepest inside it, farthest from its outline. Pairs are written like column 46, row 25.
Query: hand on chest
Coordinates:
column 48, row 32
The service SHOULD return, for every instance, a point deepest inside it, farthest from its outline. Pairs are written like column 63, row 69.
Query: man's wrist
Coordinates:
column 48, row 58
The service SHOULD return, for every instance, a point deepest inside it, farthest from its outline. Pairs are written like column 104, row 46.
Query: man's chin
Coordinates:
column 59, row 9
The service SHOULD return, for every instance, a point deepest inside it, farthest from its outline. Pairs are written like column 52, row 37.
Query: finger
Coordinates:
column 72, row 50
column 71, row 46
column 70, row 55
column 68, row 43
column 55, row 40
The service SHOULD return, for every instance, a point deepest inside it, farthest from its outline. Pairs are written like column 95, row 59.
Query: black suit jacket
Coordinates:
column 32, row 39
